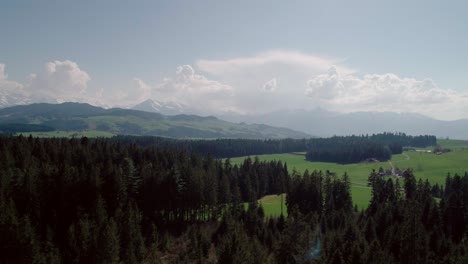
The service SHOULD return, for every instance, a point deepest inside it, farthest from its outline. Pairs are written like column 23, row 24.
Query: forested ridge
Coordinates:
column 101, row 201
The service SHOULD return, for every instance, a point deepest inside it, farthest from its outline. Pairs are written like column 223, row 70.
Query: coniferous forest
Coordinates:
column 110, row 201
column 354, row 149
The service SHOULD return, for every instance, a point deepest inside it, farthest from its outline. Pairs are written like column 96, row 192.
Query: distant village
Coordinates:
column 438, row 150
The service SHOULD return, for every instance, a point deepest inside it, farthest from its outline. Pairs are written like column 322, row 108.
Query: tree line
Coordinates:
column 228, row 148
column 354, row 149
column 219, row 148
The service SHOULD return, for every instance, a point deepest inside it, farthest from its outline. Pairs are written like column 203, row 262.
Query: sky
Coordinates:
column 240, row 57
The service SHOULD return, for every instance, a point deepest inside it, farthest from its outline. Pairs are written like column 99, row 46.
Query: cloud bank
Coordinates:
column 260, row 83
column 380, row 92
column 254, row 89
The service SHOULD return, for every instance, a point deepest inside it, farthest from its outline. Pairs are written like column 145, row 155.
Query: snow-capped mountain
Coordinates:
column 165, row 108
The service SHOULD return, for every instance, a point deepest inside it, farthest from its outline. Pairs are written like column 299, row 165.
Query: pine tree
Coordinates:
column 108, row 243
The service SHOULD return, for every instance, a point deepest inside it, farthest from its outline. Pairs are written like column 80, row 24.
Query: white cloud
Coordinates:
column 288, row 58
column 6, row 84
column 187, row 81
column 380, row 92
column 325, row 86
column 11, row 92
column 3, row 75
column 247, row 77
column 189, row 90
column 129, row 95
column 142, row 91
column 59, row 81
column 245, row 85
column 269, row 86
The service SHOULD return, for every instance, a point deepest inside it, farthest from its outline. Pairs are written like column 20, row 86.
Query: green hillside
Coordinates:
column 78, row 118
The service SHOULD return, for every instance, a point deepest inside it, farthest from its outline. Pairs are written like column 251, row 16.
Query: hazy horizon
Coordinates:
column 246, row 57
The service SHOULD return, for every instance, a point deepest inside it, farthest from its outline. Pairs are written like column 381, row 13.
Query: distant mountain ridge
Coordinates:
column 83, row 117
column 325, row 123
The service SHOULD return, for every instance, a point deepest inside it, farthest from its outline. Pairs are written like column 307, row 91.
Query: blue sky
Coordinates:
column 120, row 52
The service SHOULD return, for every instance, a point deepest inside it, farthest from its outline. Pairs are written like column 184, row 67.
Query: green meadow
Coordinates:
column 272, row 205
column 425, row 166
column 434, row 167
column 453, row 144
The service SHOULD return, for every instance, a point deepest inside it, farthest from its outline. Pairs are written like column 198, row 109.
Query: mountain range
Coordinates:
column 323, row 123
column 85, row 117
column 168, row 119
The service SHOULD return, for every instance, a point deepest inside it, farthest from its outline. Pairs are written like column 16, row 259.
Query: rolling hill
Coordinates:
column 85, row 117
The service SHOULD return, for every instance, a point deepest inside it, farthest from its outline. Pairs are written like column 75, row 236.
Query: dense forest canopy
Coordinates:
column 220, row 148
column 101, row 201
column 353, row 149
column 10, row 129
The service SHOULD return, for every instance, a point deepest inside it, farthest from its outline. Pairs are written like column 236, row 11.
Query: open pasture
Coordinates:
column 431, row 166
column 272, row 205
column 425, row 166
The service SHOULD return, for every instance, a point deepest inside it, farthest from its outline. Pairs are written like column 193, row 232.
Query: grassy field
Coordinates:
column 434, row 167
column 453, row 143
column 68, row 134
column 425, row 166
column 272, row 205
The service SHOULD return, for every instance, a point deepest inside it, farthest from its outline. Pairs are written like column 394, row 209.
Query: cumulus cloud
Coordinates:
column 188, row 89
column 325, row 86
column 378, row 92
column 6, row 84
column 11, row 92
column 142, row 91
column 245, row 85
column 269, row 86
column 59, row 81
column 186, row 80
